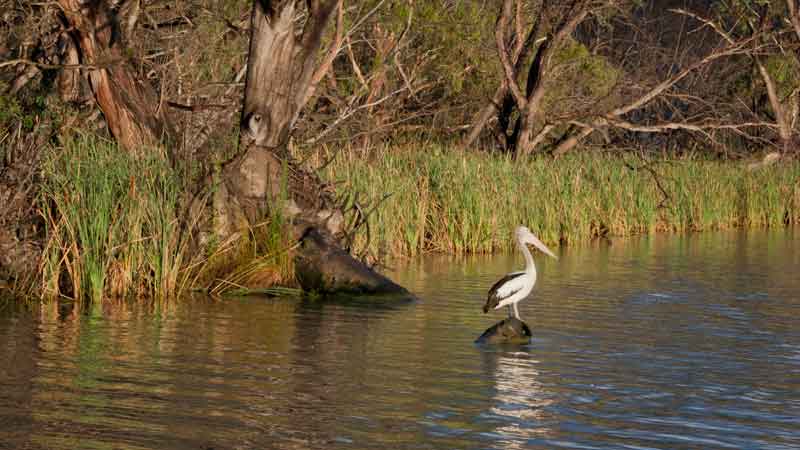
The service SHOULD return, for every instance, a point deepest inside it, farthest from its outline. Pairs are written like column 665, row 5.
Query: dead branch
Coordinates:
column 331, row 54
column 91, row 66
column 782, row 120
column 794, row 16
column 353, row 108
column 736, row 48
column 356, row 70
column 508, row 70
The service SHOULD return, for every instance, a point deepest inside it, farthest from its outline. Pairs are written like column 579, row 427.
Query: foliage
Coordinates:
column 116, row 227
column 10, row 110
column 466, row 51
column 785, row 71
column 582, row 79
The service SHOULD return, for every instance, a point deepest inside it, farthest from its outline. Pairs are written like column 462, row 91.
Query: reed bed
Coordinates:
column 446, row 200
column 112, row 223
column 117, row 225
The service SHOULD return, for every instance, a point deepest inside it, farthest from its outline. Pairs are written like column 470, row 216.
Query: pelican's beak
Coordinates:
column 533, row 240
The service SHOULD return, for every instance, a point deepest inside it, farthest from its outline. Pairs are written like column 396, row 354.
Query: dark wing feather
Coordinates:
column 493, row 299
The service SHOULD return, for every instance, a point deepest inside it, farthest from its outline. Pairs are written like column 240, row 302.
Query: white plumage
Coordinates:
column 512, row 288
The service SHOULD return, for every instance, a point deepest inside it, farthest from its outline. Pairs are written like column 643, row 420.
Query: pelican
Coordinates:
column 512, row 288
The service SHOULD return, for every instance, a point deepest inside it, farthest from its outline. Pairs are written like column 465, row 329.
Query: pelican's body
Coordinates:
column 512, row 288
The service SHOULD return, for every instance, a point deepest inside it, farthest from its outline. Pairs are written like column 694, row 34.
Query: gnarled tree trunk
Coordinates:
column 264, row 179
column 529, row 101
column 129, row 105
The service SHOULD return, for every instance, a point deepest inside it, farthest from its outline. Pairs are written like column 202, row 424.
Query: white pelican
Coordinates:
column 512, row 288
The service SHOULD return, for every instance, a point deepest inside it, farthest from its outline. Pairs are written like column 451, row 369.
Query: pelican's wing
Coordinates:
column 504, row 288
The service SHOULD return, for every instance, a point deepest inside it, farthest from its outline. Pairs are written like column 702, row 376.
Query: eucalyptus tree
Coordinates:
column 257, row 180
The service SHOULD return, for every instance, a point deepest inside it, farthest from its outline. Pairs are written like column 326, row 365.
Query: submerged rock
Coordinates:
column 507, row 331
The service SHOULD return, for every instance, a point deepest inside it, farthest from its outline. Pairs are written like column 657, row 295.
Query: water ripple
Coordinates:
column 635, row 347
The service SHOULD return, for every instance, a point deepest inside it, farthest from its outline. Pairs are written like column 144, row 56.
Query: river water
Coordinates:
column 662, row 342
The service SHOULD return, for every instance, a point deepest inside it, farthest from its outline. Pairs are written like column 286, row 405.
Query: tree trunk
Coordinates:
column 264, row 179
column 279, row 73
column 483, row 117
column 502, row 102
column 534, row 91
column 781, row 116
column 130, row 106
column 529, row 103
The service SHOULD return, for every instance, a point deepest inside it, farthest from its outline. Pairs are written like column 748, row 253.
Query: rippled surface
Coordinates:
column 664, row 342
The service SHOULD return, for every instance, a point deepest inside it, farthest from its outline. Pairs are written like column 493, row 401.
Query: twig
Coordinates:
column 12, row 62
column 508, row 70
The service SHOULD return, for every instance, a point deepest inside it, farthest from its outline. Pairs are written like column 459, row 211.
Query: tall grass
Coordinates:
column 117, row 226
column 456, row 202
column 112, row 223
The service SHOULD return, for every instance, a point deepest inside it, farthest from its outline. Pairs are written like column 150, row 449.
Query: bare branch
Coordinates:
column 350, row 111
column 354, row 63
column 508, row 70
column 104, row 65
column 518, row 42
column 364, row 18
column 772, row 93
column 572, row 141
column 733, row 49
column 133, row 18
column 794, row 16
column 542, row 135
column 708, row 22
column 703, row 127
column 331, row 54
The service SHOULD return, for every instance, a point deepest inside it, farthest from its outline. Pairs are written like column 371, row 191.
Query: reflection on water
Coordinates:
column 662, row 342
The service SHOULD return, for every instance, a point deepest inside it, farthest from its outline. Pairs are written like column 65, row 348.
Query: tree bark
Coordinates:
column 279, row 74
column 130, row 106
column 794, row 16
column 781, row 117
column 535, row 93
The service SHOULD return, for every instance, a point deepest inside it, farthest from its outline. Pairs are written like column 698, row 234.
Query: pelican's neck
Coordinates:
column 529, row 266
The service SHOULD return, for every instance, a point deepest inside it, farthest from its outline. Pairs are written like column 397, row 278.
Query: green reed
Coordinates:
column 443, row 199
column 112, row 223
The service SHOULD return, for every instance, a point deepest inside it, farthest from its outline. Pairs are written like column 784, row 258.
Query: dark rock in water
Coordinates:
column 507, row 331
column 322, row 266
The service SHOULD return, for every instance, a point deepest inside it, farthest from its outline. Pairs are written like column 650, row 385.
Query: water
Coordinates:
column 663, row 342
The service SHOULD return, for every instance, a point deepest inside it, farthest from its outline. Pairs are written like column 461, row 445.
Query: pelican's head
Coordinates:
column 524, row 235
